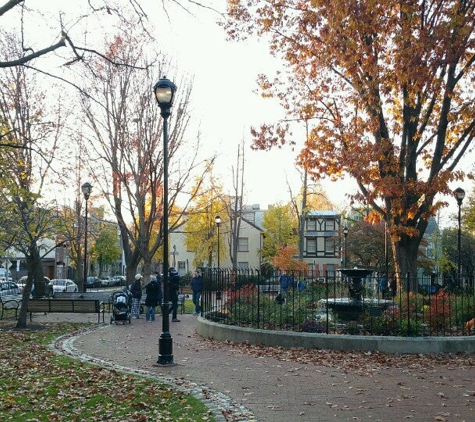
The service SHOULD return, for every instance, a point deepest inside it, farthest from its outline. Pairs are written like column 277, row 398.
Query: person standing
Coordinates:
column 393, row 286
column 174, row 288
column 136, row 292
column 196, row 288
column 153, row 299
column 383, row 286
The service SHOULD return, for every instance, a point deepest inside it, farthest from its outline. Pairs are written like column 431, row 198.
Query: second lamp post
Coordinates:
column 459, row 194
column 86, row 189
column 345, row 233
column 217, row 220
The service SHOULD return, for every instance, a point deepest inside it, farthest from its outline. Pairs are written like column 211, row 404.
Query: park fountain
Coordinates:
column 351, row 307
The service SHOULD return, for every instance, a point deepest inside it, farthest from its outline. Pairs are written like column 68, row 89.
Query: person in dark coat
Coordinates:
column 393, row 286
column 196, row 288
column 153, row 299
column 174, row 288
column 136, row 292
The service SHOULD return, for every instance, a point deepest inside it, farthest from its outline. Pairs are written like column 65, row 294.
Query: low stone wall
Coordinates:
column 289, row 339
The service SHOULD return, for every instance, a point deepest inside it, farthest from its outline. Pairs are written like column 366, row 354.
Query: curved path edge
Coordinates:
column 218, row 403
column 384, row 344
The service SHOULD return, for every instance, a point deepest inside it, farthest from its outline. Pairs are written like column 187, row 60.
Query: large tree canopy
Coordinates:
column 391, row 83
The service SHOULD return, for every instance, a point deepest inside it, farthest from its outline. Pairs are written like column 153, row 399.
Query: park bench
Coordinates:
column 181, row 302
column 79, row 306
column 269, row 288
column 105, row 298
column 10, row 303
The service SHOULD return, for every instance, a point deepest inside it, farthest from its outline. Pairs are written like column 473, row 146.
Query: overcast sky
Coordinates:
column 225, row 76
column 225, row 105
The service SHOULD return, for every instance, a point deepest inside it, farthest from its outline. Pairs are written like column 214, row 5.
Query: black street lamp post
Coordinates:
column 86, row 189
column 164, row 91
column 217, row 220
column 345, row 233
column 459, row 194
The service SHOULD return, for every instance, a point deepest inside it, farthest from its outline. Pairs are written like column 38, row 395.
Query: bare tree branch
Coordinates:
column 34, row 55
column 9, row 5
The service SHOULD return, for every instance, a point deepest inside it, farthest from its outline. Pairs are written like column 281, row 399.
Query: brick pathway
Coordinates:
column 276, row 390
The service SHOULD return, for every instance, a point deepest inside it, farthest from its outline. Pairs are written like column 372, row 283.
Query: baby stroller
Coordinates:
column 121, row 307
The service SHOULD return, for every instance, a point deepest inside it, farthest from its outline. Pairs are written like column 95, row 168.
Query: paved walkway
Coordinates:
column 253, row 386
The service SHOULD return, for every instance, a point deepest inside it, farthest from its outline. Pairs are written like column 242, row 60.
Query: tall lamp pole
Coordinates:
column 164, row 91
column 217, row 220
column 345, row 233
column 86, row 189
column 459, row 194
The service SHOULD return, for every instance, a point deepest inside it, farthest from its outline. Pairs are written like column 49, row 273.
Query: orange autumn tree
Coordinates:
column 284, row 259
column 389, row 85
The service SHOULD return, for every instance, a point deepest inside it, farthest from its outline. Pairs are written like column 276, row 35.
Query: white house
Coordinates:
column 249, row 246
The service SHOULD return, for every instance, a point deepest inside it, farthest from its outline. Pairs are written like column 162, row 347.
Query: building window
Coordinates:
column 311, row 246
column 330, row 247
column 181, row 266
column 330, row 225
column 243, row 245
column 312, row 225
column 331, row 270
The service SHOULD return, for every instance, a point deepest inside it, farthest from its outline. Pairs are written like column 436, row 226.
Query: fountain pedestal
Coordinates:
column 350, row 308
column 356, row 286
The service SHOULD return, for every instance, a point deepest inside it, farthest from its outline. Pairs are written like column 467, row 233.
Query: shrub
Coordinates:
column 311, row 326
column 352, row 328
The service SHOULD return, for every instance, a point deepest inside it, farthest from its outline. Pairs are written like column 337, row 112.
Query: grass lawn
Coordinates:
column 39, row 385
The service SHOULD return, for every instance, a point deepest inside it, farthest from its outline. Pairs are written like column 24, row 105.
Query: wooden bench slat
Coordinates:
column 101, row 296
column 83, row 306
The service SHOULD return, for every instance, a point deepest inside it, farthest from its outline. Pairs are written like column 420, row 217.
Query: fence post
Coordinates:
column 328, row 305
column 408, row 289
column 258, row 296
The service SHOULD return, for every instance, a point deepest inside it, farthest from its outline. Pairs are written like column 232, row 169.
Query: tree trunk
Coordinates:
column 147, row 270
column 405, row 251
column 35, row 273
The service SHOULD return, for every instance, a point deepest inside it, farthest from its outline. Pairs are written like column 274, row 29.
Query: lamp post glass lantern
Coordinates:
column 459, row 194
column 164, row 91
column 86, row 189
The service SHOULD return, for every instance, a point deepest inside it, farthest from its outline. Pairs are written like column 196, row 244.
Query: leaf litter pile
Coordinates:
column 357, row 362
column 40, row 385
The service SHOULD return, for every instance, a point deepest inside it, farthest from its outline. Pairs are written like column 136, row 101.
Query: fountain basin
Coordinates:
column 348, row 309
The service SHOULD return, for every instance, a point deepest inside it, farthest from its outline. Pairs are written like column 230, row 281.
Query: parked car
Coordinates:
column 106, row 282
column 22, row 282
column 63, row 285
column 93, row 282
column 119, row 280
column 9, row 288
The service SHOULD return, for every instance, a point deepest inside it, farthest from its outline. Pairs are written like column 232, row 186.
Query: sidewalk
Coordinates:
column 275, row 390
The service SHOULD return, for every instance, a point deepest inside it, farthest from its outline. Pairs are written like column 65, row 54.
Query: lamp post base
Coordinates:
column 165, row 341
column 165, row 349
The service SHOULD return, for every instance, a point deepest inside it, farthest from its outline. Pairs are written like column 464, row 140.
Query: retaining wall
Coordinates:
column 289, row 339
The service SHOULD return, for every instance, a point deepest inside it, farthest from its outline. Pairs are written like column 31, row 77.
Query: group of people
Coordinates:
column 387, row 287
column 154, row 294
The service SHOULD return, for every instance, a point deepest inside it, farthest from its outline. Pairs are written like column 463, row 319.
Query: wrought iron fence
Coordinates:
column 335, row 303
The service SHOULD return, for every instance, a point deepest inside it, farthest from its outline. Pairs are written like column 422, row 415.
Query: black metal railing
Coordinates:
column 333, row 303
